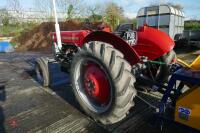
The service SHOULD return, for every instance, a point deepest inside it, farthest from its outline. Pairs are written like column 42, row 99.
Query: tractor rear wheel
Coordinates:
column 102, row 82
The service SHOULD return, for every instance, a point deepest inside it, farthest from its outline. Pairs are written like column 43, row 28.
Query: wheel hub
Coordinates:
column 96, row 83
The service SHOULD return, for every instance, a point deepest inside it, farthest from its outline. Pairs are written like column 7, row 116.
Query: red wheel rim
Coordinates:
column 96, row 83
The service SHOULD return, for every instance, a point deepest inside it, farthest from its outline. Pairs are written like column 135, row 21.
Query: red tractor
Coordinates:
column 105, row 68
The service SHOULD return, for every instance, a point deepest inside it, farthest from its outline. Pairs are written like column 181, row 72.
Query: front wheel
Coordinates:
column 161, row 72
column 102, row 82
column 42, row 71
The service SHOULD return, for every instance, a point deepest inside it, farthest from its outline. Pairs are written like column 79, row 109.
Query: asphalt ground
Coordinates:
column 26, row 106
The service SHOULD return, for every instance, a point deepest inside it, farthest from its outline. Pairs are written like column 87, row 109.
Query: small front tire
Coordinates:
column 42, row 71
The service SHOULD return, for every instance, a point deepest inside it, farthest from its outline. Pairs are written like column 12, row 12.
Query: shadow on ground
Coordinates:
column 59, row 83
column 2, row 117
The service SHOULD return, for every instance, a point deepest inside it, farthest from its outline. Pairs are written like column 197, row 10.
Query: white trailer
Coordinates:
column 163, row 17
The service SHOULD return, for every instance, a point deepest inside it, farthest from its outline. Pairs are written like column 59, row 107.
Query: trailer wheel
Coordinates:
column 102, row 82
column 42, row 72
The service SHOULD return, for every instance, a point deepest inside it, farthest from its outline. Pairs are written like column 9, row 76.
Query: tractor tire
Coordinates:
column 162, row 72
column 42, row 71
column 117, row 81
column 165, row 69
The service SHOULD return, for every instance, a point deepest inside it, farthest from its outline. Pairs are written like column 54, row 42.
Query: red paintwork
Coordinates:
column 151, row 42
column 107, row 29
column 96, row 83
column 75, row 37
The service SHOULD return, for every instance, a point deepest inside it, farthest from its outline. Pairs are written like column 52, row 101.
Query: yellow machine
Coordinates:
column 187, row 110
column 195, row 65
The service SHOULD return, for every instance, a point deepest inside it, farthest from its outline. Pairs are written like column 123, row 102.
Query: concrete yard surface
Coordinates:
column 26, row 106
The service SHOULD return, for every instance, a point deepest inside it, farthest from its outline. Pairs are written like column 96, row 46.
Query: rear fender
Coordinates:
column 153, row 43
column 129, row 53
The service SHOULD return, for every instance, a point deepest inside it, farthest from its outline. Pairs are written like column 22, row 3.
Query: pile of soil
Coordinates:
column 38, row 38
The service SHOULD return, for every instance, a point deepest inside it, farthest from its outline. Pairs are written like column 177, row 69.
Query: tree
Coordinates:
column 4, row 15
column 14, row 5
column 192, row 24
column 96, row 12
column 70, row 11
column 134, row 21
column 114, row 14
column 72, row 8
column 177, row 6
column 45, row 7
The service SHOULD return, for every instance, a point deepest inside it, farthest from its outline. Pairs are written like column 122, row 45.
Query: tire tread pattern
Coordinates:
column 120, row 71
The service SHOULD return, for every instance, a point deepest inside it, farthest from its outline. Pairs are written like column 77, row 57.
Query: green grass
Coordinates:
column 10, row 29
column 13, row 44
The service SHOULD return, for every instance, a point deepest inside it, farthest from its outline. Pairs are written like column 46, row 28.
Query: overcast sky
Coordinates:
column 191, row 7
